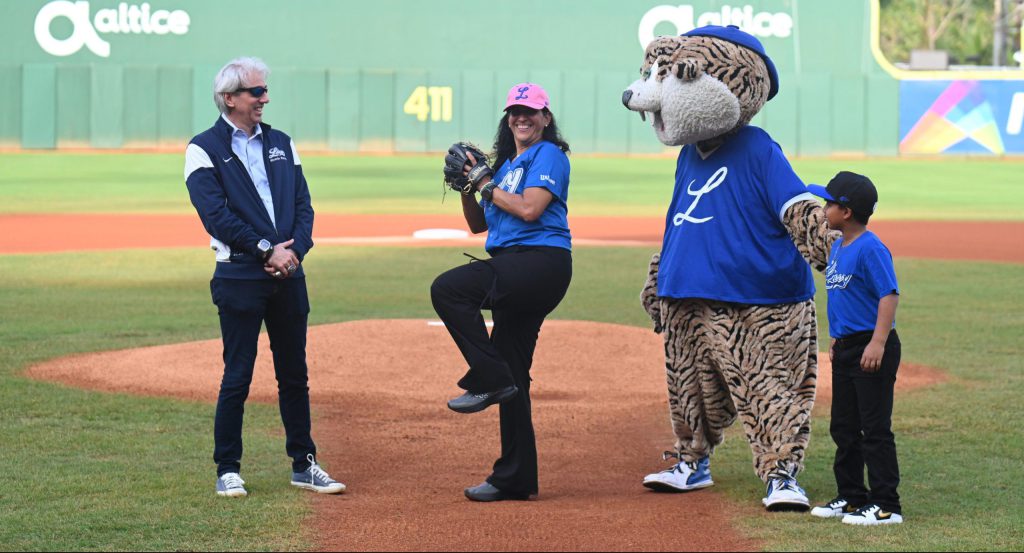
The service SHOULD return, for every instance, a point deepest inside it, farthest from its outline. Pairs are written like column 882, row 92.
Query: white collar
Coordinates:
column 258, row 132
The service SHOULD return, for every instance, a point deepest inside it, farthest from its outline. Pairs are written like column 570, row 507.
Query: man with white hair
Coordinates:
column 245, row 181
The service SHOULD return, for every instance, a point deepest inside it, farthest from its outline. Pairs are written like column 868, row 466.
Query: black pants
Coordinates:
column 520, row 285
column 862, row 423
column 244, row 305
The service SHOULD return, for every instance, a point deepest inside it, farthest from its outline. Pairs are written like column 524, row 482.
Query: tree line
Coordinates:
column 973, row 32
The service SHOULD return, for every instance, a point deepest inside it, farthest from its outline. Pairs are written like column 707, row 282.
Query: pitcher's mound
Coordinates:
column 379, row 390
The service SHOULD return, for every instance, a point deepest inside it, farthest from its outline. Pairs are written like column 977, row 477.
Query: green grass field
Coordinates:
column 97, row 471
column 975, row 189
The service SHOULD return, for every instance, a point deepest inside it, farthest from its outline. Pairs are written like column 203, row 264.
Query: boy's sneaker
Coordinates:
column 784, row 494
column 872, row 515
column 231, row 485
column 682, row 477
column 316, row 479
column 833, row 509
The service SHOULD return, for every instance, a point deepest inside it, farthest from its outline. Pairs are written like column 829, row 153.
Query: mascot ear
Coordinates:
column 688, row 69
column 658, row 56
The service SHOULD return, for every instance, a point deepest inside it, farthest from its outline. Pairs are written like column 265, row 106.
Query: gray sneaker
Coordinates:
column 316, row 479
column 231, row 485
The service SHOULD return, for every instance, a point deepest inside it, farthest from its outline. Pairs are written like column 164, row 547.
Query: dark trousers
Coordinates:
column 862, row 423
column 244, row 305
column 520, row 285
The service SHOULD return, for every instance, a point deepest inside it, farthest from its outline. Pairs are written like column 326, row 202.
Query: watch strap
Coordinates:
column 487, row 192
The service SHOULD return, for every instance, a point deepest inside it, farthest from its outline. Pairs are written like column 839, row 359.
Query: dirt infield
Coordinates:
column 987, row 241
column 383, row 428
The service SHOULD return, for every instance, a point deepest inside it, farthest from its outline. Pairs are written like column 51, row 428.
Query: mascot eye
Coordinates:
column 645, row 73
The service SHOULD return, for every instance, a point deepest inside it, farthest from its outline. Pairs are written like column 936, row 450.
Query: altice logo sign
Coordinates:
column 685, row 19
column 125, row 19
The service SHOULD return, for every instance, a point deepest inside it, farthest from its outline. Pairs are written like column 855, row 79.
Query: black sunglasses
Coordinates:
column 256, row 91
column 516, row 111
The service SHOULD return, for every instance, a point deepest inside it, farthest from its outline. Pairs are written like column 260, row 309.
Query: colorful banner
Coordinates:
column 961, row 117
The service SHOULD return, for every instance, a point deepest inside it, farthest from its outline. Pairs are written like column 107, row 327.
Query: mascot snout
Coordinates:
column 684, row 111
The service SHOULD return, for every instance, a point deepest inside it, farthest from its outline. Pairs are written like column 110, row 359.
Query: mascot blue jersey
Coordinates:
column 724, row 237
column 543, row 165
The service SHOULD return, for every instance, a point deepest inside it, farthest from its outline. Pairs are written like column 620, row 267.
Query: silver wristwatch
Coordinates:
column 266, row 249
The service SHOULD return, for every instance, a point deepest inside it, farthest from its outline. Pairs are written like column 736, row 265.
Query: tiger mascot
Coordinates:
column 732, row 289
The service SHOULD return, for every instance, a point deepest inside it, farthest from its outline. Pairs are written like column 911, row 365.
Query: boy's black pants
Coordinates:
column 520, row 285
column 862, row 423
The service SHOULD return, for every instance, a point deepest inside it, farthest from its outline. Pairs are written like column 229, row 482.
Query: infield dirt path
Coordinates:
column 381, row 423
column 987, row 241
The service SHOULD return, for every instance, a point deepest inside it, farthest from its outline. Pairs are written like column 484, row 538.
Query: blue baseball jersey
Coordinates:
column 858, row 276
column 541, row 165
column 724, row 237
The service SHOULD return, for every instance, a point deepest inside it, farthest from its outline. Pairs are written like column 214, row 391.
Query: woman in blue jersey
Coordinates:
column 523, row 209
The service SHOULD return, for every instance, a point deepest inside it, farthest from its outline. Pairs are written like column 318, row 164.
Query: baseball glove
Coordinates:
column 455, row 163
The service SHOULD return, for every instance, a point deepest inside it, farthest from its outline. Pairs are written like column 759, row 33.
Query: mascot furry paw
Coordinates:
column 731, row 290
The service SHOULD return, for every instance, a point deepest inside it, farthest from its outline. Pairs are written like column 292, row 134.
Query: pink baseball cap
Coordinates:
column 530, row 95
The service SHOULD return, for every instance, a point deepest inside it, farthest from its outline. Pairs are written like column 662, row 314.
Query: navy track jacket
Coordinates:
column 227, row 202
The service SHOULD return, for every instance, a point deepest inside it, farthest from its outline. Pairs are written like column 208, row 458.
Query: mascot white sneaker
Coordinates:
column 681, row 477
column 732, row 289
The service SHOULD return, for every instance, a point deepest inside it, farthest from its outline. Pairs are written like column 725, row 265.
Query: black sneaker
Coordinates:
column 833, row 509
column 486, row 493
column 472, row 403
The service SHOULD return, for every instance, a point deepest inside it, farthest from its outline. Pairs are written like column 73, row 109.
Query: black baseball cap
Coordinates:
column 851, row 190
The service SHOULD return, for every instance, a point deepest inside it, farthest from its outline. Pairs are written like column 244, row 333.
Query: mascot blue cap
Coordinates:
column 734, row 35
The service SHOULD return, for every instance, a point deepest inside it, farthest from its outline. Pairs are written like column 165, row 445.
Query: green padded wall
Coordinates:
column 38, row 105
column 576, row 117
column 377, row 111
column 410, row 132
column 174, row 106
column 781, row 115
column 882, row 109
column 380, row 77
column 74, row 106
column 849, row 114
column 343, row 87
column 814, row 114
column 107, row 121
column 10, row 99
column 141, row 117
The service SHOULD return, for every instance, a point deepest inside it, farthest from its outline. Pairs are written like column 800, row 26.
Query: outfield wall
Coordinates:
column 403, row 76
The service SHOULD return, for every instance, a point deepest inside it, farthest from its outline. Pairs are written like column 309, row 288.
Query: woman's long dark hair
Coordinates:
column 505, row 141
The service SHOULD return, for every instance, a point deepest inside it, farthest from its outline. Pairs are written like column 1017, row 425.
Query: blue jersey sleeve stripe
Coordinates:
column 795, row 199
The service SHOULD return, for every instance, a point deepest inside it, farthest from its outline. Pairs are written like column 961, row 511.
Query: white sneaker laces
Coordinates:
column 316, row 471
column 784, row 482
column 867, row 510
column 232, row 480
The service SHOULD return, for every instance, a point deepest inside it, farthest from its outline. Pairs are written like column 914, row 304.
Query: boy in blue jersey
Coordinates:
column 862, row 297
